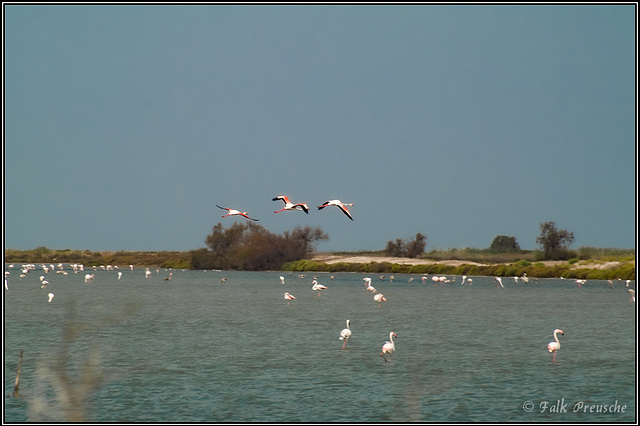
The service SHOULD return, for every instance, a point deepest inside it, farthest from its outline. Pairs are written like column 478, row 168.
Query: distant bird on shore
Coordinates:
column 388, row 347
column 233, row 212
column 345, row 334
column 288, row 205
column 339, row 204
column 553, row 346
column 288, row 296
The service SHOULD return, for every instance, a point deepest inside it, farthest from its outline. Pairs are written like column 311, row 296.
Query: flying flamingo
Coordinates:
column 288, row 296
column 379, row 298
column 554, row 346
column 388, row 347
column 318, row 287
column 288, row 205
column 233, row 212
column 345, row 334
column 368, row 285
column 339, row 204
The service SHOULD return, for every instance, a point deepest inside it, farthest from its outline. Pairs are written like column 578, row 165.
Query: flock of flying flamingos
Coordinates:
column 288, row 205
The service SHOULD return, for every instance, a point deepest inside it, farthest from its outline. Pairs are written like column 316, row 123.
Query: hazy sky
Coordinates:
column 125, row 125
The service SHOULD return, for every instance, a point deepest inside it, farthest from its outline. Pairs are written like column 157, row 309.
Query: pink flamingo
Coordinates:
column 345, row 334
column 633, row 295
column 318, row 287
column 555, row 345
column 288, row 205
column 233, row 212
column 388, row 347
column 288, row 296
column 368, row 285
column 379, row 298
column 339, row 204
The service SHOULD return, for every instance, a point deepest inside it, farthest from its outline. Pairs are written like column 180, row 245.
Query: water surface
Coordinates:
column 196, row 349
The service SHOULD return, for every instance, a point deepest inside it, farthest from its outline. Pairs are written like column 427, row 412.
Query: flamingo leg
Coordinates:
column 554, row 357
column 344, row 344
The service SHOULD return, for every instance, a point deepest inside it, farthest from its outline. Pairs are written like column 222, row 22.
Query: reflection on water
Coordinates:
column 198, row 349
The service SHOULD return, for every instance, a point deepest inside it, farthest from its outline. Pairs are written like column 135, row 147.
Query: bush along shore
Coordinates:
column 622, row 271
column 595, row 264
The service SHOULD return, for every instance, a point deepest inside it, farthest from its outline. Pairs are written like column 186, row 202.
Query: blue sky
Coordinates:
column 125, row 125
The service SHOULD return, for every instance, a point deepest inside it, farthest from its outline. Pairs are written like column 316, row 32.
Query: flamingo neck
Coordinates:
column 555, row 336
column 391, row 338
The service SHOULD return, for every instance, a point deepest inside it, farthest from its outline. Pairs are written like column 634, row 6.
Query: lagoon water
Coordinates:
column 196, row 349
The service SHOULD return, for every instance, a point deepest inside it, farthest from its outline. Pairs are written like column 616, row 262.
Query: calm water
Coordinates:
column 196, row 349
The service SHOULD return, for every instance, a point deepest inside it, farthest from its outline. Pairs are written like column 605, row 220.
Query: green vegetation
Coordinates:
column 589, row 265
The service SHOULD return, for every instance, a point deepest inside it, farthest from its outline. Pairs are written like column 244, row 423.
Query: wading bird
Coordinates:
column 288, row 296
column 281, row 279
column 50, row 297
column 633, row 295
column 388, row 347
column 318, row 287
column 233, row 212
column 288, row 205
column 339, row 204
column 555, row 345
column 345, row 334
column 379, row 298
column 368, row 286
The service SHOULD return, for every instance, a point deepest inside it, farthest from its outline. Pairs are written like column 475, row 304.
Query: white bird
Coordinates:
column 368, row 285
column 233, row 212
column 345, row 334
column 147, row 273
column 388, row 347
column 6, row 284
column 379, row 298
column 498, row 281
column 288, row 296
column 50, row 297
column 281, row 279
column 88, row 278
column 288, row 205
column 339, row 204
column 119, row 275
column 318, row 287
column 553, row 346
column 631, row 293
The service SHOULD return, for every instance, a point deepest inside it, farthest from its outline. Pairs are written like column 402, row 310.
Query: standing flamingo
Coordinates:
column 233, row 212
column 281, row 279
column 633, row 295
column 555, row 345
column 345, row 334
column 288, row 205
column 288, row 296
column 50, row 297
column 339, row 204
column 498, row 281
column 368, row 285
column 379, row 298
column 388, row 347
column 318, row 287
